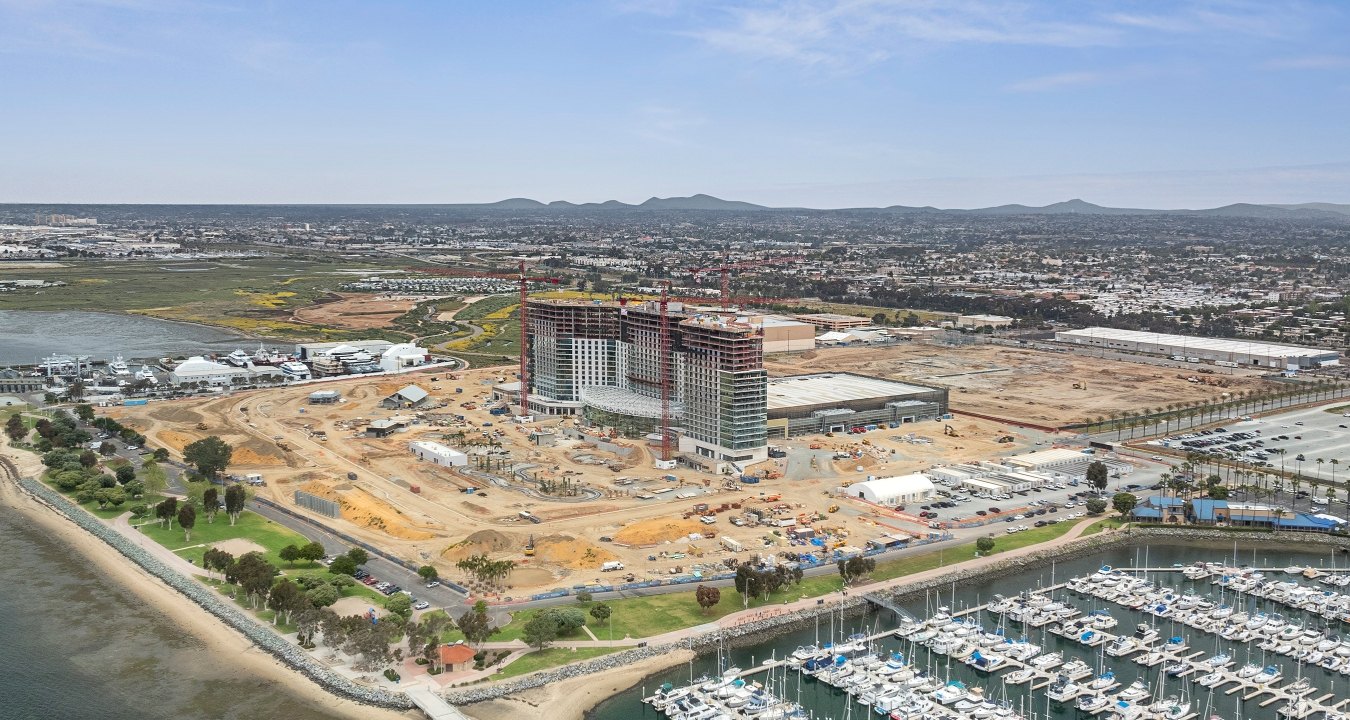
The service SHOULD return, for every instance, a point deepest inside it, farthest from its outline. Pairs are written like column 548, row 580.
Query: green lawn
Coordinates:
column 652, row 615
column 1110, row 522
column 549, row 658
column 251, row 526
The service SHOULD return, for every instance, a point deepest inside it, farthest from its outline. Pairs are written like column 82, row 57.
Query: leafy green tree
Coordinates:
column 475, row 624
column 235, row 497
column 1097, row 474
column 399, row 604
column 187, row 518
column 1095, row 506
column 254, row 575
column 284, row 599
column 584, row 597
column 106, row 449
column 125, row 474
column 984, row 544
column 342, row 565
column 1124, row 503
column 323, row 595
column 211, row 503
column 290, row 554
column 312, row 552
column 539, row 632
column 15, row 428
column 358, row 556
column 601, row 611
column 210, row 455
column 160, row 454
column 88, row 458
column 429, row 573
column 84, row 412
column 166, row 510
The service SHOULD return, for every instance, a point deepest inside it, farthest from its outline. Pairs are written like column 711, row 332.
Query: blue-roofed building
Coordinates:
column 1205, row 511
column 1147, row 514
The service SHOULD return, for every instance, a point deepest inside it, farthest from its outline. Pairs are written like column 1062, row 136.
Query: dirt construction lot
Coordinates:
column 598, row 502
column 1030, row 385
column 354, row 311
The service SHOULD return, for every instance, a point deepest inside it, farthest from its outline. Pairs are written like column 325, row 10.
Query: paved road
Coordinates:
column 381, row 568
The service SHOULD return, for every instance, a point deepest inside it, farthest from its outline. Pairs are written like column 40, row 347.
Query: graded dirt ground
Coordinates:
column 424, row 513
column 1021, row 384
column 354, row 311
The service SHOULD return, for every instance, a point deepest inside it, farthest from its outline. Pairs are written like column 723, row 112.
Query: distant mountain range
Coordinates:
column 1068, row 207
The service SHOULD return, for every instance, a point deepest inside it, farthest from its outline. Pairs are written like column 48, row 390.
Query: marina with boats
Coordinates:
column 1199, row 641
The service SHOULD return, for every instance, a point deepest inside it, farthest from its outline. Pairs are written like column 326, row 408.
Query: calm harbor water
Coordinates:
column 76, row 645
column 27, row 336
column 823, row 701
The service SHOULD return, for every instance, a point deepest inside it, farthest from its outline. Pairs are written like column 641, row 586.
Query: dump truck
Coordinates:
column 611, row 566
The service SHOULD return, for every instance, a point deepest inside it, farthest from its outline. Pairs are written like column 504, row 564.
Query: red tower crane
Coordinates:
column 525, row 281
column 726, row 269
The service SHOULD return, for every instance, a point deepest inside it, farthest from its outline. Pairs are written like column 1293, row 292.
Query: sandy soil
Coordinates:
column 1026, row 384
column 571, row 699
column 232, row 654
column 326, row 452
column 238, row 546
column 356, row 311
column 349, row 606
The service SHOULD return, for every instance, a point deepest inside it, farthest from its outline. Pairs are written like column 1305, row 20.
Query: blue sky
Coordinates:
column 822, row 103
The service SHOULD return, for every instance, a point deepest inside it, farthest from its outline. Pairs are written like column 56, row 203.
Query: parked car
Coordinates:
column 421, row 605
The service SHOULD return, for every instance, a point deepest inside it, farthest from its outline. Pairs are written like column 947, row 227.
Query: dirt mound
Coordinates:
column 364, row 509
column 571, row 552
column 248, row 456
column 175, row 439
column 657, row 530
column 483, row 542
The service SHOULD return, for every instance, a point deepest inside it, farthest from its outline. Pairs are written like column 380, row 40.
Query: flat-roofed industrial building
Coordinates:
column 1237, row 353
column 839, row 402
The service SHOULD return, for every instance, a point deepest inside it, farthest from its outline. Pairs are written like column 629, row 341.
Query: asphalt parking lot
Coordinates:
column 1312, row 433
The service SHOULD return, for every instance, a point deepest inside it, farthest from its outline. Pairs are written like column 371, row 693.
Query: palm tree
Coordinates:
column 1334, row 463
column 1319, row 466
column 1279, row 515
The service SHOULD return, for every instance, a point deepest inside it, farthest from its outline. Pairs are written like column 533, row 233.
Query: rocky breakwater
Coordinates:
column 210, row 601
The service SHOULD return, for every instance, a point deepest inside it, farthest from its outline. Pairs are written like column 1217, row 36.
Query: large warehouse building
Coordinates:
column 1242, row 353
column 839, row 402
column 893, row 491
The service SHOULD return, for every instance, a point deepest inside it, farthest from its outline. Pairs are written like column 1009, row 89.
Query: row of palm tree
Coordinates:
column 1201, row 412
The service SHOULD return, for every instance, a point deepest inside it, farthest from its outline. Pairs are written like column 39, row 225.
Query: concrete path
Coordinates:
column 122, row 524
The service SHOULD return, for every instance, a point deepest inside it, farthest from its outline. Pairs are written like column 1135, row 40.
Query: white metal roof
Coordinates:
column 894, row 486
column 825, row 388
column 1224, row 345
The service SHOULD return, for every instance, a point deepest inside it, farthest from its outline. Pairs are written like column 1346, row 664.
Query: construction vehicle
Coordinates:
column 285, row 446
column 1080, row 386
column 834, row 508
column 1007, row 439
column 202, row 426
column 950, row 431
column 529, row 547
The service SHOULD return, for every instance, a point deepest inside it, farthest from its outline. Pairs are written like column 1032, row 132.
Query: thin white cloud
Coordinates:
column 1310, row 62
column 856, row 32
column 1055, row 82
column 665, row 124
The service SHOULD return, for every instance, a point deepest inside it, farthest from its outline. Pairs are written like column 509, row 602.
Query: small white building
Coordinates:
column 979, row 321
column 199, row 369
column 892, row 491
column 402, row 356
column 437, row 453
column 1045, row 459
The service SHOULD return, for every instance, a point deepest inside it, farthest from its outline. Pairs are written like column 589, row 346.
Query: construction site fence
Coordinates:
column 358, row 543
column 1006, row 421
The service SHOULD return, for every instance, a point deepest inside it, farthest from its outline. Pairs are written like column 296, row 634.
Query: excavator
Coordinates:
column 950, row 431
column 529, row 547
